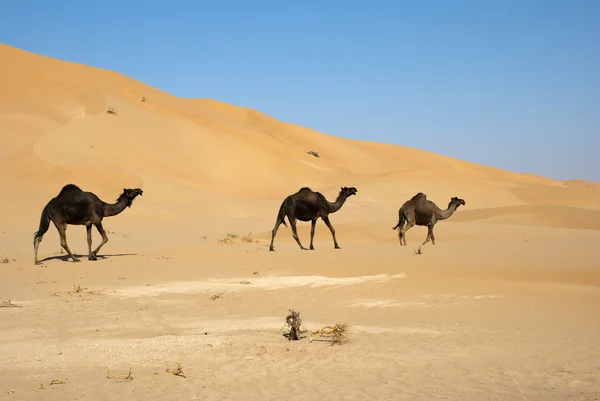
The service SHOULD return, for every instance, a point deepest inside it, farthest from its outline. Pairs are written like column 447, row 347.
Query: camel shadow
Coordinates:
column 67, row 258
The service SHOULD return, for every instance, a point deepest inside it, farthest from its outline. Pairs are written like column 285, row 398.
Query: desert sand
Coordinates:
column 505, row 305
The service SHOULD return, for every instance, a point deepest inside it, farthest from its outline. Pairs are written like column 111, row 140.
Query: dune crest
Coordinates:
column 55, row 129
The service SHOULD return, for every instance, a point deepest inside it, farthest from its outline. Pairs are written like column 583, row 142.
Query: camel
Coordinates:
column 76, row 207
column 308, row 205
column 422, row 212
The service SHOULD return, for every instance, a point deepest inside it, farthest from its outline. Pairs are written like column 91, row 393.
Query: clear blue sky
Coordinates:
column 513, row 84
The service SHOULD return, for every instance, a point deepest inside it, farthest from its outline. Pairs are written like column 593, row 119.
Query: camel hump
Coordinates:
column 304, row 189
column 69, row 188
column 420, row 195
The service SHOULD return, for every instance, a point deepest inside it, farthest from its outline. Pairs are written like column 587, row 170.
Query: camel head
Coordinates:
column 349, row 191
column 131, row 194
column 457, row 201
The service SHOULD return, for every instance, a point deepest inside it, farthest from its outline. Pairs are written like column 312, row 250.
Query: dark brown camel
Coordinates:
column 76, row 207
column 422, row 212
column 308, row 205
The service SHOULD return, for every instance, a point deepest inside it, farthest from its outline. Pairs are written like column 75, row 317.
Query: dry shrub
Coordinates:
column 337, row 333
column 77, row 288
column 8, row 304
column 177, row 370
column 229, row 238
column 217, row 296
column 313, row 153
column 418, row 251
column 248, row 238
column 111, row 111
column 5, row 260
column 293, row 321
column 120, row 378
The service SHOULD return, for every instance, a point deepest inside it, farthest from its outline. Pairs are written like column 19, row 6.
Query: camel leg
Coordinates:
column 432, row 236
column 36, row 245
column 274, row 232
column 326, row 220
column 403, row 231
column 313, row 223
column 62, row 232
column 428, row 235
column 400, row 235
column 91, row 255
column 104, row 237
column 295, row 234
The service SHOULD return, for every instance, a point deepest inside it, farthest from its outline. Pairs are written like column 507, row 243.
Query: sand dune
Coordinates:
column 559, row 216
column 503, row 307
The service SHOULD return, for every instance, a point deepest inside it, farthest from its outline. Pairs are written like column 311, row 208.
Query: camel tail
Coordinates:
column 44, row 225
column 401, row 220
column 281, row 215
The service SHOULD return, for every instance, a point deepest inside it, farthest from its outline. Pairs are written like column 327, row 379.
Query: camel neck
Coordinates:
column 335, row 206
column 444, row 214
column 115, row 208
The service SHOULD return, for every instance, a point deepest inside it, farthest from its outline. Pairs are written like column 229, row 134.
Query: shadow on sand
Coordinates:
column 67, row 258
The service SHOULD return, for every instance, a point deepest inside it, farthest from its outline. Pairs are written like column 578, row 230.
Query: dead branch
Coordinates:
column 337, row 333
column 120, row 378
column 9, row 304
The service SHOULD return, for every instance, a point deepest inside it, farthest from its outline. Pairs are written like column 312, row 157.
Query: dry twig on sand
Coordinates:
column 248, row 238
column 120, row 378
column 519, row 387
column 229, row 238
column 337, row 333
column 57, row 381
column 77, row 289
column 177, row 370
column 8, row 304
column 217, row 296
column 293, row 321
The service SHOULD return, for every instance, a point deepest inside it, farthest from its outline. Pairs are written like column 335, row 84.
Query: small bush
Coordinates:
column 248, row 238
column 293, row 322
column 177, row 370
column 313, row 153
column 229, row 238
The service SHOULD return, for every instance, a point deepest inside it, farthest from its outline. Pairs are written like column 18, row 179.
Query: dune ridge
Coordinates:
column 58, row 109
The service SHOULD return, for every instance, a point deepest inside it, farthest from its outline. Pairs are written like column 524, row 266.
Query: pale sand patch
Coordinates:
column 269, row 283
column 397, row 330
column 393, row 303
column 388, row 303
